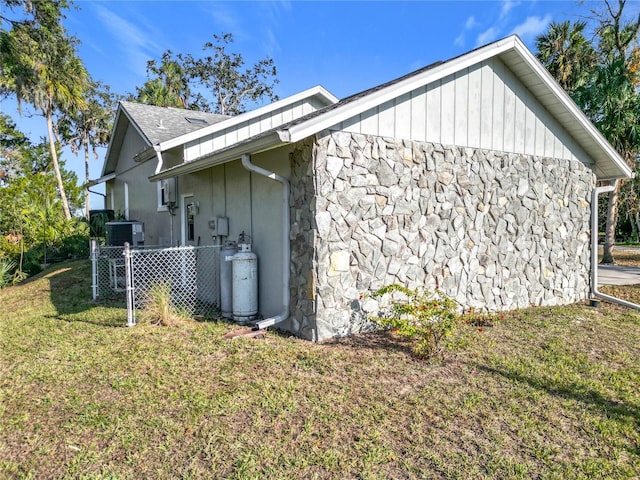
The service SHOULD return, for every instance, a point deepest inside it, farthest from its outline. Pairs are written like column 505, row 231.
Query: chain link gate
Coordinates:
column 191, row 273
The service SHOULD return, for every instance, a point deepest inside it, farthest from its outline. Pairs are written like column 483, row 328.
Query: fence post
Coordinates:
column 128, row 273
column 93, row 247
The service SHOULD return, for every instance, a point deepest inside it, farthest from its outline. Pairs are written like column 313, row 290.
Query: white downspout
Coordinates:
column 594, row 251
column 159, row 157
column 286, row 250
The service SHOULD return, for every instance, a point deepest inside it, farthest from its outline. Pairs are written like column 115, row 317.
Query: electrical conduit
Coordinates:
column 286, row 250
column 594, row 251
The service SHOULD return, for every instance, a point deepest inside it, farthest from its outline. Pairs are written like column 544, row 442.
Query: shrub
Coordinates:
column 6, row 272
column 424, row 317
column 159, row 309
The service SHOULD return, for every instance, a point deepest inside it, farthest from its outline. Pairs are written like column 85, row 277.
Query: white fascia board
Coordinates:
column 234, row 152
column 573, row 109
column 244, row 117
column 321, row 122
column 102, row 179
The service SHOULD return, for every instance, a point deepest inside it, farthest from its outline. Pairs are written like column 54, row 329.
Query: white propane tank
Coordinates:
column 226, row 278
column 245, row 284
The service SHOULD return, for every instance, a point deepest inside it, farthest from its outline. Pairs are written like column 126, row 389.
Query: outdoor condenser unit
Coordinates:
column 118, row 233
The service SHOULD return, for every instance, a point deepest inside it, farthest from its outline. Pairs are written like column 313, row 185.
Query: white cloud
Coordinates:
column 507, row 6
column 138, row 43
column 487, row 36
column 470, row 23
column 532, row 27
column 226, row 20
column 270, row 41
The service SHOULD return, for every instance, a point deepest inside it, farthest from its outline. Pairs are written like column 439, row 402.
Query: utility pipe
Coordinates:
column 286, row 250
column 594, row 251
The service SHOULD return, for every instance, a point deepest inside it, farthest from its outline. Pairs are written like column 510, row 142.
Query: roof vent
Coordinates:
column 200, row 121
column 160, row 124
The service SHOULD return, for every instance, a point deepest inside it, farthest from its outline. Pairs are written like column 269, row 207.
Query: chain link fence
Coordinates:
column 191, row 274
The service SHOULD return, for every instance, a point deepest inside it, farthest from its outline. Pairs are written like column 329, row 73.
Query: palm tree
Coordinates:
column 612, row 103
column 155, row 92
column 603, row 82
column 41, row 68
column 169, row 88
column 90, row 128
column 566, row 54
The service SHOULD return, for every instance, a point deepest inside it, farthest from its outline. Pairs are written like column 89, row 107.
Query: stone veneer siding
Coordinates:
column 302, row 240
column 494, row 230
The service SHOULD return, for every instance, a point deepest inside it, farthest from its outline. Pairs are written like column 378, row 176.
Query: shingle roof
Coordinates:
column 158, row 124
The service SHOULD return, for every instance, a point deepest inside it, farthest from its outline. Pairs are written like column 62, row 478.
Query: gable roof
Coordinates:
column 526, row 67
column 157, row 124
column 154, row 125
column 163, row 128
column 608, row 164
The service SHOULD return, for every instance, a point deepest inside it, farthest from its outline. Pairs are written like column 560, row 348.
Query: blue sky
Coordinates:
column 344, row 46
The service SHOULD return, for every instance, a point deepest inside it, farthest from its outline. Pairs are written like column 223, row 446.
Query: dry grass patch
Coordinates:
column 544, row 393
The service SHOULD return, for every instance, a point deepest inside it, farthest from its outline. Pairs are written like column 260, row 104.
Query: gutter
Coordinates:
column 594, row 251
column 259, row 143
column 286, row 249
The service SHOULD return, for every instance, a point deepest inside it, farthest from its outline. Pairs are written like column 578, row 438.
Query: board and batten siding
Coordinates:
column 484, row 106
column 252, row 127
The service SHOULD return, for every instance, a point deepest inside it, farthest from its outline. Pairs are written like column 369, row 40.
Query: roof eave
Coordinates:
column 102, row 179
column 317, row 91
column 562, row 96
column 321, row 122
column 251, row 146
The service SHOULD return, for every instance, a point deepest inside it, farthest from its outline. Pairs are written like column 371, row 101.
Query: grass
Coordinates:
column 544, row 393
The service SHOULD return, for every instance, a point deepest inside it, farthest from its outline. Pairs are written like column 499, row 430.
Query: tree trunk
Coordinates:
column 87, row 206
column 56, row 168
column 610, row 229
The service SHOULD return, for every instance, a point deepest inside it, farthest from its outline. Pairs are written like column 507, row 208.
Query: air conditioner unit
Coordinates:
column 118, row 233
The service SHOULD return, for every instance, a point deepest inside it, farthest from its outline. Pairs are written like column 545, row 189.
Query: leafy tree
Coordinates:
column 32, row 221
column 12, row 142
column 606, row 89
column 168, row 85
column 567, row 54
column 231, row 86
column 41, row 67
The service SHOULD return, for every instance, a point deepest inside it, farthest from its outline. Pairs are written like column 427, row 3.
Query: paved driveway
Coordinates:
column 618, row 275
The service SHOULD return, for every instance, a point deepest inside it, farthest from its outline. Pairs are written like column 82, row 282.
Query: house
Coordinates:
column 474, row 175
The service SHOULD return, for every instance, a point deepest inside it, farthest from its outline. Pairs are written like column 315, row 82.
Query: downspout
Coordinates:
column 159, row 157
column 158, row 170
column 594, row 251
column 286, row 250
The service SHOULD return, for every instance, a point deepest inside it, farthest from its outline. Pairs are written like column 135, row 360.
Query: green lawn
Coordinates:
column 544, row 393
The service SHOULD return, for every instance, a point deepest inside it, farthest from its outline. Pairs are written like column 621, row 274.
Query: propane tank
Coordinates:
column 245, row 283
column 226, row 279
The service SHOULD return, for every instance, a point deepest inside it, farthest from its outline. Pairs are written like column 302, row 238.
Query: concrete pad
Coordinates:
column 618, row 275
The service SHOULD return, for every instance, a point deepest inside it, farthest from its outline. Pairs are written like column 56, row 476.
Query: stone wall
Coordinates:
column 302, row 239
column 494, row 230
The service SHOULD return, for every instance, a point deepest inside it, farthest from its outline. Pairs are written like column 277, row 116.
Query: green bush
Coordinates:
column 7, row 268
column 424, row 317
